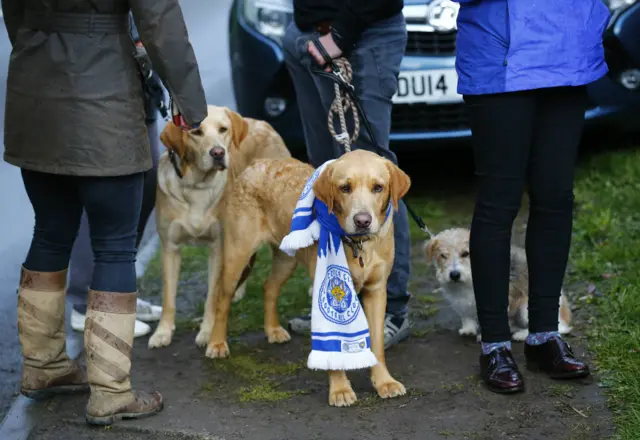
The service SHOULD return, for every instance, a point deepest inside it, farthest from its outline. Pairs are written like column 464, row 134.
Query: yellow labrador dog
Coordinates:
column 360, row 184
column 190, row 190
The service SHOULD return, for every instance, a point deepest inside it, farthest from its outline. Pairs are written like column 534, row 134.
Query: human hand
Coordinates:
column 329, row 45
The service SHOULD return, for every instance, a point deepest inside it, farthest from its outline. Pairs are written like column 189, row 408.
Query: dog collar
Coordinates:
column 174, row 161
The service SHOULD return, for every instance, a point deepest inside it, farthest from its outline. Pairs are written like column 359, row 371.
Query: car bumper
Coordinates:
column 259, row 73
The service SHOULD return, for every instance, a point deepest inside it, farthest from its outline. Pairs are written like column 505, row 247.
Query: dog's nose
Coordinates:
column 454, row 275
column 217, row 153
column 362, row 220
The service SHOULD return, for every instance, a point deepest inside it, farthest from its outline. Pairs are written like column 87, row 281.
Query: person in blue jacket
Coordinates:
column 523, row 68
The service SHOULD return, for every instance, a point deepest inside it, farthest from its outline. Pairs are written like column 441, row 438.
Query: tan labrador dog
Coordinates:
column 357, row 188
column 188, row 208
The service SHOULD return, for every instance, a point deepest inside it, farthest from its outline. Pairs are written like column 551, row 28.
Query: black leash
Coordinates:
column 336, row 76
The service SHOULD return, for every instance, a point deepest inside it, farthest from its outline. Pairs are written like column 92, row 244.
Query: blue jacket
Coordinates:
column 512, row 45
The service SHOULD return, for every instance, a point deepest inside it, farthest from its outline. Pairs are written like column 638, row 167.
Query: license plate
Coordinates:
column 427, row 86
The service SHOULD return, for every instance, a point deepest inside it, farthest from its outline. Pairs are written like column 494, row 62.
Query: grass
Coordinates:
column 605, row 253
column 440, row 211
column 259, row 377
column 246, row 315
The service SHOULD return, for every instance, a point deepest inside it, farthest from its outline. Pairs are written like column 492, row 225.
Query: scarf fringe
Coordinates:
column 300, row 239
column 319, row 360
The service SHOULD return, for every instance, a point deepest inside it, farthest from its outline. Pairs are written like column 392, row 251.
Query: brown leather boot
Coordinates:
column 47, row 370
column 108, row 337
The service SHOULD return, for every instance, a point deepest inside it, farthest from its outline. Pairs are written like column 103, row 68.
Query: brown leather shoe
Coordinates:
column 500, row 372
column 555, row 358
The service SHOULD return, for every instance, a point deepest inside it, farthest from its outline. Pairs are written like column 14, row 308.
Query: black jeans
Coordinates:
column 523, row 138
column 82, row 266
column 113, row 208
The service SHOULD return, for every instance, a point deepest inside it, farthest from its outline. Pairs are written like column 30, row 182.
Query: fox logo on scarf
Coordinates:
column 340, row 337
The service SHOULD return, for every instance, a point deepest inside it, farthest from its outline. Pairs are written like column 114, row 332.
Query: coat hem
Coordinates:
column 81, row 171
column 502, row 88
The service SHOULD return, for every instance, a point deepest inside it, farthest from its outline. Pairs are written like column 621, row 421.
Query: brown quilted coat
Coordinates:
column 75, row 103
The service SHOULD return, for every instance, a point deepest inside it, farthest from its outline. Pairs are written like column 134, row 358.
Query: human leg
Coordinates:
column 376, row 64
column 47, row 369
column 146, row 311
column 559, row 124
column 113, row 209
column 82, row 264
column 502, row 129
column 314, row 96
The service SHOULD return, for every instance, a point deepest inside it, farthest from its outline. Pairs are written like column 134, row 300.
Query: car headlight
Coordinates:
column 268, row 17
column 617, row 7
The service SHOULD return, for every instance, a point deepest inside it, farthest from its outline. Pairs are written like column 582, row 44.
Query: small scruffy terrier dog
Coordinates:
column 449, row 252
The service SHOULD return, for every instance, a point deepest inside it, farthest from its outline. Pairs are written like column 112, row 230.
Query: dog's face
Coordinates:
column 448, row 251
column 208, row 147
column 358, row 189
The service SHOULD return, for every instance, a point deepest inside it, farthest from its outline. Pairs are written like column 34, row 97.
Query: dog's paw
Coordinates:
column 342, row 397
column 564, row 328
column 277, row 335
column 217, row 350
column 390, row 389
column 520, row 335
column 203, row 337
column 160, row 338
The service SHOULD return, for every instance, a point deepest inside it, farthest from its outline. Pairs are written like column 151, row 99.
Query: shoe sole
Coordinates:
column 52, row 392
column 505, row 390
column 534, row 368
column 398, row 337
column 110, row 420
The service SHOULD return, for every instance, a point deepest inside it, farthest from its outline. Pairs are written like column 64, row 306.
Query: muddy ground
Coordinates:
column 264, row 392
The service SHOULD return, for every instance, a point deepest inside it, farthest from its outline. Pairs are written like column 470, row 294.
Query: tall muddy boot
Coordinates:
column 108, row 337
column 47, row 370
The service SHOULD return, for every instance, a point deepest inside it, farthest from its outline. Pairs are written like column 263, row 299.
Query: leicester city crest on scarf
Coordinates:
column 337, row 301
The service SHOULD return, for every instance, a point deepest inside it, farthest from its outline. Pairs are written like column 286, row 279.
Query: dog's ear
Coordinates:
column 399, row 183
column 429, row 248
column 239, row 127
column 171, row 137
column 323, row 188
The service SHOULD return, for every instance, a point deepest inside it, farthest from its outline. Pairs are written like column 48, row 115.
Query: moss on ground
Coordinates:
column 258, row 378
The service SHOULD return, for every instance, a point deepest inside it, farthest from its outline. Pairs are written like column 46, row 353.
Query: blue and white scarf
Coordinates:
column 340, row 337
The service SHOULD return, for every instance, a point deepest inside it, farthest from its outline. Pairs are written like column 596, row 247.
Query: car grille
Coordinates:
column 425, row 117
column 431, row 43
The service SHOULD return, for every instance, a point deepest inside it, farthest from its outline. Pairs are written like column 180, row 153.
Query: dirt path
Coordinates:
column 265, row 392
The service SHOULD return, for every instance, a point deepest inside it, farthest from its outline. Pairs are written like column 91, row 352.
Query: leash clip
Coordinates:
column 343, row 82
